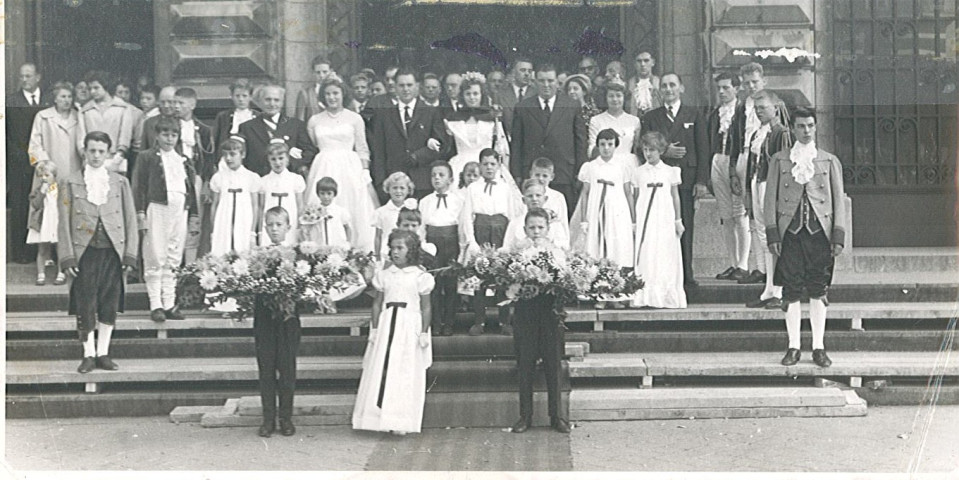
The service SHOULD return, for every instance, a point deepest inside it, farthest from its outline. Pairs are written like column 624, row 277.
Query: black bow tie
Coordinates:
column 441, row 197
column 488, row 189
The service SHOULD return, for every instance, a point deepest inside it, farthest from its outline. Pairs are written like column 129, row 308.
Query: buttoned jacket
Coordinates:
column 78, row 220
column 149, row 182
column 824, row 190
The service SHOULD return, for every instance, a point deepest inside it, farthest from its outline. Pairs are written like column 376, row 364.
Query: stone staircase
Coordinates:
column 890, row 336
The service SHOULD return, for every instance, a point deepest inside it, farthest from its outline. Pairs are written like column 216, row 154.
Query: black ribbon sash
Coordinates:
column 396, row 306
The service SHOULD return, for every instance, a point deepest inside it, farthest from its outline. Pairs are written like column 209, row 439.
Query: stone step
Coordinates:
column 848, row 365
column 442, row 410
column 692, row 403
column 846, row 288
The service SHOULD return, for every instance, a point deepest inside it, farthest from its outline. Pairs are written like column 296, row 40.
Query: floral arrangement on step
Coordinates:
column 602, row 279
column 284, row 277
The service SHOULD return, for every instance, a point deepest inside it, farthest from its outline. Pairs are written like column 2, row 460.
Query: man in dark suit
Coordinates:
column 22, row 106
column 549, row 125
column 166, row 103
column 308, row 101
column 273, row 123
column 685, row 129
column 450, row 101
column 408, row 136
column 522, row 87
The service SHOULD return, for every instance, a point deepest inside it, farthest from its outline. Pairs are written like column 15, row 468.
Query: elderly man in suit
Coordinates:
column 685, row 129
column 805, row 217
column 408, row 136
column 308, row 102
column 519, row 89
column 549, row 125
column 166, row 104
column 273, row 123
column 22, row 106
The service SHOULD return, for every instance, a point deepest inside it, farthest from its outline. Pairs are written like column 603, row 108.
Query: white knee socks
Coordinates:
column 741, row 235
column 154, row 280
column 817, row 319
column 104, row 332
column 729, row 237
column 89, row 348
column 771, row 290
column 793, row 322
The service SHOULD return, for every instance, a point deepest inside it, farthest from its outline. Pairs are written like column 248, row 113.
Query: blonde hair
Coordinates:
column 398, row 178
column 47, row 166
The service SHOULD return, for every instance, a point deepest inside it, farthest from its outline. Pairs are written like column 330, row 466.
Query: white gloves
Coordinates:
column 424, row 339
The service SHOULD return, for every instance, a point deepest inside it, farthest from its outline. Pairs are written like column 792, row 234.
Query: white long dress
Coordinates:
column 471, row 137
column 610, row 230
column 291, row 185
column 242, row 226
column 659, row 257
column 48, row 222
column 341, row 139
column 403, row 386
column 626, row 126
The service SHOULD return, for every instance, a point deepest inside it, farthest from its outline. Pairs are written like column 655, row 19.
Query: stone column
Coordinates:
column 16, row 36
column 682, row 28
column 303, row 35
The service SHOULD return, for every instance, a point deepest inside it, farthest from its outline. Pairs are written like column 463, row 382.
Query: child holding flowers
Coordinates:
column 326, row 223
column 236, row 195
column 392, row 388
column 658, row 229
column 277, row 339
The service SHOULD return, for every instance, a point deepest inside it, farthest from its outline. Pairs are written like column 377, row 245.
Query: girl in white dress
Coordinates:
column 393, row 384
column 626, row 125
column 477, row 126
column 282, row 188
column 659, row 259
column 43, row 220
column 236, row 198
column 344, row 156
column 605, row 204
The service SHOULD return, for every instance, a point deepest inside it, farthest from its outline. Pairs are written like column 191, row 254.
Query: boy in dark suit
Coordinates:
column 685, row 130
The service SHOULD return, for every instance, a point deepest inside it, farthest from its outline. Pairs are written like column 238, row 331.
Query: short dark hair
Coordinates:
column 407, row 71
column 409, row 215
column 320, row 60
column 97, row 137
column 277, row 211
column 488, row 152
column 734, row 79
column 804, row 112
column 166, row 124
column 186, row 92
column 546, row 67
column 442, row 164
column 543, row 162
column 537, row 213
column 607, row 134
column 151, row 88
column 521, row 59
column 430, row 76
column 678, row 76
column 327, row 184
column 104, row 78
column 334, row 81
column 241, row 84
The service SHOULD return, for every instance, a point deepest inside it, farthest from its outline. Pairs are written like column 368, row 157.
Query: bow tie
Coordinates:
column 488, row 189
column 605, row 182
column 654, row 185
column 441, row 197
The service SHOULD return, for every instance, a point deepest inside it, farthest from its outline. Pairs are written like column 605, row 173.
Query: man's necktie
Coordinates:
column 488, row 189
column 441, row 198
column 407, row 118
column 522, row 92
column 33, row 100
column 546, row 108
column 670, row 113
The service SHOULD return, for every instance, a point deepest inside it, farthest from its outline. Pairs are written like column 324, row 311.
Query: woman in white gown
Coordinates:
column 344, row 156
column 626, row 125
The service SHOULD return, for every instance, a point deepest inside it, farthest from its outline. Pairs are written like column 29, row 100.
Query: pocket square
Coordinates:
column 688, row 124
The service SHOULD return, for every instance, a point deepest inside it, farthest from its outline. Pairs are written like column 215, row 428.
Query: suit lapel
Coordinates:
column 539, row 114
column 676, row 128
column 394, row 115
column 555, row 112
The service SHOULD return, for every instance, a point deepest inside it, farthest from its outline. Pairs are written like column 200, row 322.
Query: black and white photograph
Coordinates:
column 481, row 239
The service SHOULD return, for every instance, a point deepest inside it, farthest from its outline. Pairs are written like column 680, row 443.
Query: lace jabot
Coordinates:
column 802, row 156
column 97, row 181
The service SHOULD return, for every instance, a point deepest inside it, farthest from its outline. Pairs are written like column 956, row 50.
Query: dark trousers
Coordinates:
column 96, row 294
column 568, row 191
column 686, row 204
column 805, row 263
column 19, row 181
column 444, row 298
column 537, row 333
column 277, row 342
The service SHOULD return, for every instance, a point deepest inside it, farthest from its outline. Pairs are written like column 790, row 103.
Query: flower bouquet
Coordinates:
column 280, row 277
column 521, row 274
column 602, row 280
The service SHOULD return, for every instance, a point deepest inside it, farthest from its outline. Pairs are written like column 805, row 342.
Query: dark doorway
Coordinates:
column 83, row 35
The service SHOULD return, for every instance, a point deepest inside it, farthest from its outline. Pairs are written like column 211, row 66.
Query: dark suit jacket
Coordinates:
column 307, row 104
column 506, row 98
column 258, row 135
column 715, row 138
column 222, row 126
column 737, row 133
column 562, row 138
column 393, row 149
column 689, row 130
column 19, row 124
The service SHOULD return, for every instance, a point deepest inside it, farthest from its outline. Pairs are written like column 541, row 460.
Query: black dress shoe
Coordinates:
column 726, row 273
column 520, row 426
column 792, row 357
column 266, row 429
column 158, row 315
column 820, row 358
column 87, row 365
column 774, row 303
column 286, row 427
column 173, row 314
column 105, row 363
column 758, row 303
column 560, row 425
column 754, row 277
column 738, row 275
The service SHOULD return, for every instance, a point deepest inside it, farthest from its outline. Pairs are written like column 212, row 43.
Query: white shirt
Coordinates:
column 32, row 98
column 752, row 121
column 188, row 137
column 550, row 102
column 515, row 233
column 441, row 212
column 240, row 116
column 402, row 107
column 520, row 91
column 674, row 107
column 174, row 172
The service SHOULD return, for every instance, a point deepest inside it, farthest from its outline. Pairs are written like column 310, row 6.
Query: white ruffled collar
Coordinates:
column 97, row 181
column 802, row 156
